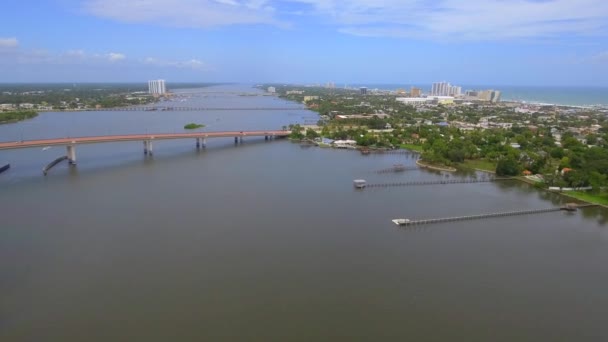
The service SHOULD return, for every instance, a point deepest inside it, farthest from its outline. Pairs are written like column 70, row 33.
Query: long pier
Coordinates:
column 399, row 152
column 433, row 182
column 569, row 207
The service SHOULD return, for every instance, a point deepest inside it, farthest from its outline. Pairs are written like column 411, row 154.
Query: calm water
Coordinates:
column 269, row 241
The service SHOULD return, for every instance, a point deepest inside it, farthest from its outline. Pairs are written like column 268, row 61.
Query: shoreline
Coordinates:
column 437, row 168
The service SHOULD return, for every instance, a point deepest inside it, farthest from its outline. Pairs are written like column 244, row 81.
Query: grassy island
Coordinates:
column 15, row 116
column 193, row 126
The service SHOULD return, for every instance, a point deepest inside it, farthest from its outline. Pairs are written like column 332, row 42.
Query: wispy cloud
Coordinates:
column 8, row 42
column 476, row 20
column 115, row 56
column 186, row 13
column 19, row 56
column 194, row 64
column 467, row 20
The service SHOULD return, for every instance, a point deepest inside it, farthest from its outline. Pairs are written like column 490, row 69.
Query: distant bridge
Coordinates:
column 180, row 109
column 147, row 139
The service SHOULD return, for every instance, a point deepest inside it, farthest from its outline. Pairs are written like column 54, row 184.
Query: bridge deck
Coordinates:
column 136, row 137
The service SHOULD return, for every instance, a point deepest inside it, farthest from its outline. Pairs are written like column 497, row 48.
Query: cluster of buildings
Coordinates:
column 433, row 99
column 444, row 93
column 26, row 106
column 157, row 87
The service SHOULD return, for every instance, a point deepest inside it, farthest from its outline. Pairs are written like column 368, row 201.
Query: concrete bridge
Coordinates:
column 147, row 139
column 176, row 108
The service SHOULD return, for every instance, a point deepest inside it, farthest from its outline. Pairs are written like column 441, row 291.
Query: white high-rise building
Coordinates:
column 157, row 87
column 441, row 89
column 445, row 89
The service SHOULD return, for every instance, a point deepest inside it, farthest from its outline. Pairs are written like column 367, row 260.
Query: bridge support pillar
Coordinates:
column 148, row 147
column 71, row 153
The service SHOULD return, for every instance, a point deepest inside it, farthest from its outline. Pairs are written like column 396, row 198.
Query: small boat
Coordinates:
column 5, row 167
column 46, row 148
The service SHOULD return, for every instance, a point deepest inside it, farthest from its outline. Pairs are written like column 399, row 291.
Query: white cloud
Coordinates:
column 466, row 20
column 8, row 42
column 434, row 19
column 194, row 64
column 186, row 13
column 114, row 57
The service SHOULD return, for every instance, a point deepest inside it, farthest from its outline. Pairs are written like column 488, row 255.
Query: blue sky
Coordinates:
column 498, row 42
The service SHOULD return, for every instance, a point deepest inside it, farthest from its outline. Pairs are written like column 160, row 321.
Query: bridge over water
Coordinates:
column 147, row 139
column 180, row 109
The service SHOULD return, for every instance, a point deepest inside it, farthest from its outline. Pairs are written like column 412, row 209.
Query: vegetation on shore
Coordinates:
column 598, row 198
column 564, row 147
column 193, row 125
column 79, row 96
column 431, row 166
column 14, row 116
column 479, row 164
column 411, row 147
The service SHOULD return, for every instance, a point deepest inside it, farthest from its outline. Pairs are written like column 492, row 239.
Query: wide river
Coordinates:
column 269, row 241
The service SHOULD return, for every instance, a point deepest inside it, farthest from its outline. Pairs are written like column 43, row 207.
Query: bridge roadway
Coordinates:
column 138, row 137
column 147, row 139
column 176, row 108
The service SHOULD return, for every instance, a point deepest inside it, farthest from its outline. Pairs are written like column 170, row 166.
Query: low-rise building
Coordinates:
column 310, row 98
column 414, row 101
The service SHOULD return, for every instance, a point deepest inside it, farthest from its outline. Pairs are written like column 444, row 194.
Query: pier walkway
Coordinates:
column 400, row 152
column 569, row 207
column 435, row 182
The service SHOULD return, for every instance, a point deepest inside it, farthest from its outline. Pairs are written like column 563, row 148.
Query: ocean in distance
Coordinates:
column 567, row 96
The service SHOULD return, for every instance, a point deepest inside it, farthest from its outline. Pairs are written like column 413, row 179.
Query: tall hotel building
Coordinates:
column 157, row 87
column 445, row 89
column 441, row 89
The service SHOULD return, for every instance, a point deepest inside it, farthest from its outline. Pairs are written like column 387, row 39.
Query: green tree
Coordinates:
column 508, row 167
column 311, row 133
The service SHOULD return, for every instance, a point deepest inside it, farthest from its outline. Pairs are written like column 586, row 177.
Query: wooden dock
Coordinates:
column 438, row 182
column 568, row 207
column 401, row 152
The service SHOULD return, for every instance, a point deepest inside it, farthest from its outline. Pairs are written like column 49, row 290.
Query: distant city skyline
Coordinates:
column 494, row 42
